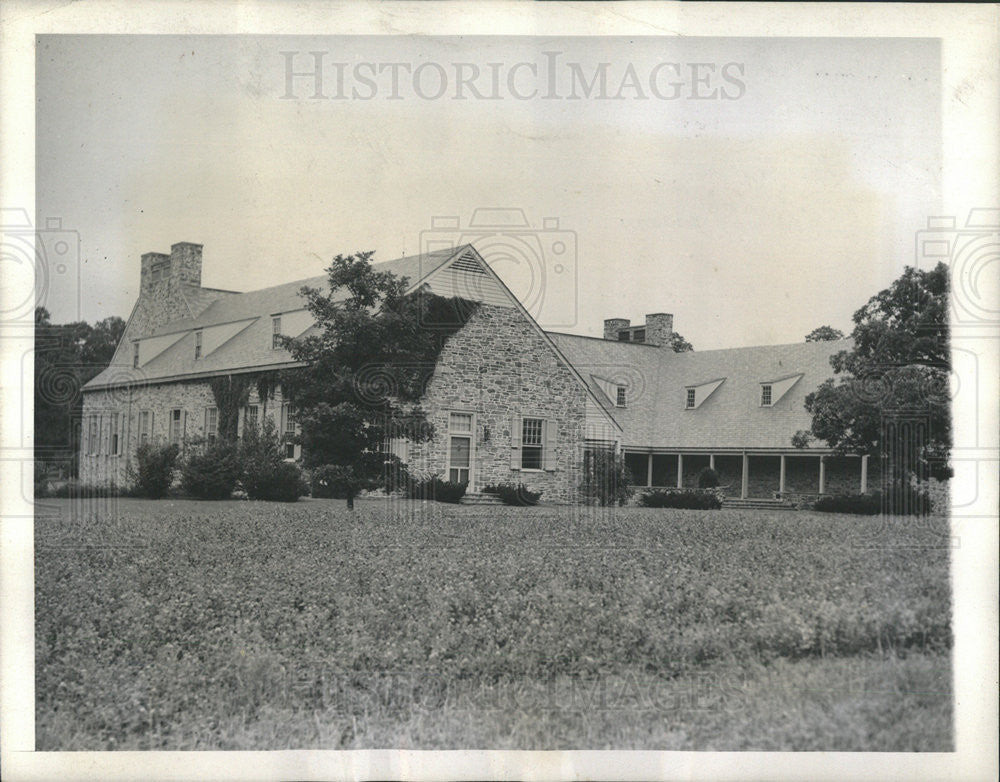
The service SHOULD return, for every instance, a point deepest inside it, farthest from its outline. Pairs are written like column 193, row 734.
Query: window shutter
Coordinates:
column 550, row 435
column 184, row 425
column 150, row 438
column 240, row 418
column 515, row 441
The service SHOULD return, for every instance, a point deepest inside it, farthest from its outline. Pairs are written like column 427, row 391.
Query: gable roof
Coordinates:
column 250, row 348
column 656, row 379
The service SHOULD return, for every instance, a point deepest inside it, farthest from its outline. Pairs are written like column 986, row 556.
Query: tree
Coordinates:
column 824, row 334
column 897, row 373
column 66, row 357
column 367, row 367
column 678, row 344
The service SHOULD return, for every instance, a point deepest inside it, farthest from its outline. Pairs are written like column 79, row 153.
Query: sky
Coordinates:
column 755, row 188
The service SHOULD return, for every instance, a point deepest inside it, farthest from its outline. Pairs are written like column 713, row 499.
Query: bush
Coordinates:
column 154, row 471
column 436, row 489
column 264, row 473
column 695, row 500
column 903, row 499
column 607, row 480
column 513, row 495
column 210, row 472
column 708, row 478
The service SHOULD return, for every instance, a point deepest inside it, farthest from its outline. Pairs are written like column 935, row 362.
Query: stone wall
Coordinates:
column 498, row 367
column 191, row 397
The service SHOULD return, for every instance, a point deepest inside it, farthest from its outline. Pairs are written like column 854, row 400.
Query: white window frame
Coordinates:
column 115, row 438
column 93, row 436
column 197, row 344
column 540, row 446
column 767, row 389
column 690, row 398
column 621, row 396
column 470, row 435
column 289, row 426
column 145, row 426
column 248, row 418
column 211, row 429
column 135, row 355
column 176, row 434
column 275, row 332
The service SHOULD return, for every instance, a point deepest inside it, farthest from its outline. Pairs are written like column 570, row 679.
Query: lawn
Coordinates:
column 240, row 625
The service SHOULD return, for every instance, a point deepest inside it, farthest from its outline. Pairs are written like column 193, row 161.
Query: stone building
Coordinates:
column 509, row 401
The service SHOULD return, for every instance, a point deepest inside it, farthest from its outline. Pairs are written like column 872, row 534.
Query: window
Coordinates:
column 197, row 345
column 250, row 417
column 639, row 335
column 623, row 336
column 114, row 435
column 620, row 398
column 135, row 355
column 288, row 429
column 176, row 426
column 145, row 425
column 689, row 403
column 276, row 332
column 531, row 443
column 765, row 395
column 459, row 447
column 211, row 423
column 93, row 441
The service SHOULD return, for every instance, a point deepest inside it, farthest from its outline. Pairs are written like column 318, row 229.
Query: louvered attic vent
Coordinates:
column 468, row 263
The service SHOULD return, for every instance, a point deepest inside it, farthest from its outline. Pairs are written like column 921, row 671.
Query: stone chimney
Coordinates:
column 613, row 325
column 162, row 279
column 160, row 272
column 659, row 327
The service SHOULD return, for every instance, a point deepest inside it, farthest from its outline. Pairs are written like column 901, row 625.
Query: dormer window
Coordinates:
column 620, row 397
column 623, row 336
column 276, row 332
column 135, row 355
column 765, row 395
column 689, row 401
column 197, row 345
column 639, row 335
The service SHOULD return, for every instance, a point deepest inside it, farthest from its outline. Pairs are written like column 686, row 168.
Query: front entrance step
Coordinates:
column 480, row 499
column 755, row 502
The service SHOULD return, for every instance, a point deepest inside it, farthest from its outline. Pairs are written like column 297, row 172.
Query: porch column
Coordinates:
column 711, row 461
column 649, row 469
column 680, row 470
column 746, row 476
column 864, row 473
column 781, row 477
column 822, row 475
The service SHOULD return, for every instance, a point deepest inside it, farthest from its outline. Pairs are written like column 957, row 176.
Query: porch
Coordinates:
column 752, row 474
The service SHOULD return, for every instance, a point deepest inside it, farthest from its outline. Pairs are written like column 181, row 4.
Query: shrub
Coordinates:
column 708, row 478
column 695, row 500
column 607, row 480
column 513, row 495
column 154, row 470
column 264, row 473
column 903, row 499
column 436, row 489
column 210, row 472
column 41, row 480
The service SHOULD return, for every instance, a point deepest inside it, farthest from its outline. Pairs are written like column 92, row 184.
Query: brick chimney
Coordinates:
column 613, row 325
column 659, row 327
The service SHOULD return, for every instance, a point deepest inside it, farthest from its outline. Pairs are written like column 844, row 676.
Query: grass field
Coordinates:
column 238, row 625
